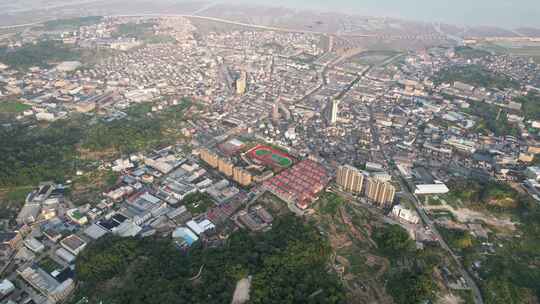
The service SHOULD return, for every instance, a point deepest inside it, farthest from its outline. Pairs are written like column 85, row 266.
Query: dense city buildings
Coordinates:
column 193, row 128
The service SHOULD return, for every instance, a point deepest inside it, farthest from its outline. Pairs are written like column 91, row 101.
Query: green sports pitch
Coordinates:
column 271, row 157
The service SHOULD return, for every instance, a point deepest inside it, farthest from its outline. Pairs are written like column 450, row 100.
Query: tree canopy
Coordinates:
column 288, row 265
column 33, row 154
column 412, row 287
column 394, row 241
column 39, row 54
column 477, row 76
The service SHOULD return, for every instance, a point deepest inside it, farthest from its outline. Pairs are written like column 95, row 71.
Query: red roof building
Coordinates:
column 300, row 184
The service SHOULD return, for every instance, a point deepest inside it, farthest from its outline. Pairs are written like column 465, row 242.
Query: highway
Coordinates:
column 195, row 15
column 262, row 27
column 7, row 27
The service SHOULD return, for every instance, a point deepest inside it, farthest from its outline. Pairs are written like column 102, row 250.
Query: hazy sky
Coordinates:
column 504, row 13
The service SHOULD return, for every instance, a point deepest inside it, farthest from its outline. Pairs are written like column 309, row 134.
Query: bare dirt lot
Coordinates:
column 465, row 215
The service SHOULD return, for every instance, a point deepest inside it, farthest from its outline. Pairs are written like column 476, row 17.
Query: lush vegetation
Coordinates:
column 288, row 265
column 412, row 283
column 49, row 265
column 139, row 131
column 33, row 154
column 475, row 75
column 17, row 194
column 12, row 200
column 329, row 203
column 530, row 106
column 492, row 120
column 141, row 31
column 72, row 23
column 134, row 30
column 87, row 187
column 111, row 178
column 197, row 202
column 40, row 54
column 509, row 274
column 491, row 196
column 512, row 274
column 126, row 135
column 412, row 287
column 470, row 53
column 393, row 241
column 458, row 239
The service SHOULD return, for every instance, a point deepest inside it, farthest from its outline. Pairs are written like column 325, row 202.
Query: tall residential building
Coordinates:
column 242, row 176
column 350, row 179
column 333, row 111
column 210, row 158
column 379, row 192
column 275, row 112
column 225, row 166
column 241, row 83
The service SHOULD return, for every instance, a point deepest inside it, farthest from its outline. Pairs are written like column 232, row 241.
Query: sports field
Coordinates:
column 270, row 157
column 13, row 107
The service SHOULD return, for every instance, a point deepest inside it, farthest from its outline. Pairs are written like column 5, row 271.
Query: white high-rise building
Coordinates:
column 334, row 110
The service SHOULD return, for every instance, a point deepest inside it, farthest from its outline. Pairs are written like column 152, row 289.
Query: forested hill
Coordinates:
column 288, row 265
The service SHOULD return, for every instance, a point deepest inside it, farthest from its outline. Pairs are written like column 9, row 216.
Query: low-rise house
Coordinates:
column 73, row 244
column 34, row 245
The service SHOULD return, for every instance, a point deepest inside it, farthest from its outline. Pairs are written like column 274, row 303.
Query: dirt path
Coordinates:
column 87, row 154
column 377, row 260
column 9, row 189
column 241, row 293
column 355, row 233
column 368, row 290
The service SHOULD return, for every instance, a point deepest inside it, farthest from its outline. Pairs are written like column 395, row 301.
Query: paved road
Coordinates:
column 263, row 27
column 425, row 218
column 272, row 28
column 427, row 221
column 457, row 39
column 361, row 203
